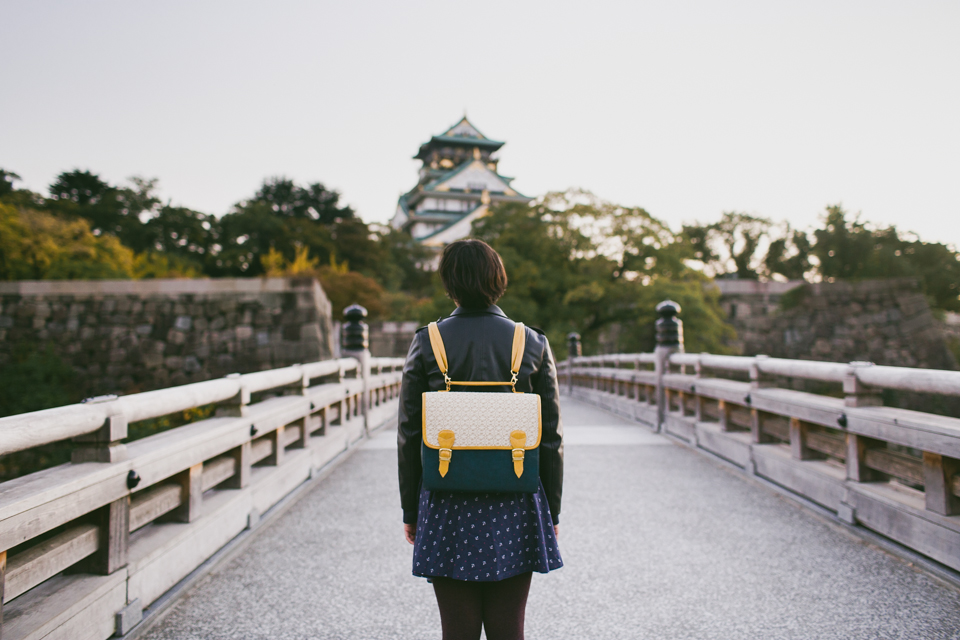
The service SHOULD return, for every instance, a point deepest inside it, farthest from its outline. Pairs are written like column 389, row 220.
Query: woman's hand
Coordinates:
column 410, row 532
column 556, row 531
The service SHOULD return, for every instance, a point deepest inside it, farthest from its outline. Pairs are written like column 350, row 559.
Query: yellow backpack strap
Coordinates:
column 436, row 343
column 519, row 344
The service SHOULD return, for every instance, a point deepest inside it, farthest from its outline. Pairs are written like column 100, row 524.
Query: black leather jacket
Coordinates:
column 478, row 343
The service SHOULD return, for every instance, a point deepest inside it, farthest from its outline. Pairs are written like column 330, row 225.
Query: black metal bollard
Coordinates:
column 669, row 326
column 669, row 341
column 574, row 348
column 355, row 335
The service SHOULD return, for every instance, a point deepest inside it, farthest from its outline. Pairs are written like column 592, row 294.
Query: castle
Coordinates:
column 458, row 183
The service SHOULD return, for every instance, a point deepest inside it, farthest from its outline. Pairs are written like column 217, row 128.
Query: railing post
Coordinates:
column 574, row 350
column 191, row 494
column 856, row 394
column 355, row 342
column 237, row 406
column 113, row 523
column 105, row 444
column 938, row 473
column 669, row 341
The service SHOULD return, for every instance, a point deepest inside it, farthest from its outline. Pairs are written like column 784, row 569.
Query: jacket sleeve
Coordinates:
column 545, row 385
column 410, row 420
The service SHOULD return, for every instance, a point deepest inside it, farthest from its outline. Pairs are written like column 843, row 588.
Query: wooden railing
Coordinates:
column 891, row 470
column 86, row 546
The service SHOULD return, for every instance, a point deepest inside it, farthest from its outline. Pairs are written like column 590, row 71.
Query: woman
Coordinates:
column 517, row 532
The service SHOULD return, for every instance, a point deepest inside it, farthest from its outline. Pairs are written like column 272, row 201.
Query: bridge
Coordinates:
column 705, row 497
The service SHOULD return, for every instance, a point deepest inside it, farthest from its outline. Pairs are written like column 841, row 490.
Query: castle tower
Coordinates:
column 458, row 182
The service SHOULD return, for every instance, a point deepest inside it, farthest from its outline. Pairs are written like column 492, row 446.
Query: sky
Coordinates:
column 686, row 108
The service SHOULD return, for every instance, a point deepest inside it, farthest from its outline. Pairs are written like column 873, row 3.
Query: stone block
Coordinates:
column 183, row 323
column 152, row 360
column 244, row 331
column 174, row 363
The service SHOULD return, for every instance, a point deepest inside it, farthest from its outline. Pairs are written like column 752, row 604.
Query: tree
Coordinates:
column 7, row 178
column 177, row 231
column 730, row 246
column 578, row 263
column 246, row 234
column 854, row 250
column 109, row 209
column 35, row 245
column 313, row 202
column 789, row 254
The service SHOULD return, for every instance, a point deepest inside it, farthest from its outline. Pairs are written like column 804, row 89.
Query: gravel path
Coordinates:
column 659, row 542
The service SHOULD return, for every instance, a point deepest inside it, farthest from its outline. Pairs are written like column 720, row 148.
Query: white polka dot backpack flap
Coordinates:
column 481, row 442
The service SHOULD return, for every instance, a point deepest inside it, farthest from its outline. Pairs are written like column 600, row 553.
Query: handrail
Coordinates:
column 937, row 381
column 28, row 430
column 902, row 467
column 807, row 369
column 153, row 404
column 228, row 469
column 906, row 379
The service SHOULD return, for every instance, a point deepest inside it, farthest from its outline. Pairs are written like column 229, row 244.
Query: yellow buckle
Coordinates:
column 518, row 462
column 446, row 454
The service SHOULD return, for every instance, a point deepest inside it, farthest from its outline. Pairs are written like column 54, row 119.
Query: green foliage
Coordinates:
column 847, row 248
column 153, row 426
column 577, row 263
column 108, row 209
column 793, row 298
column 789, row 254
column 313, row 202
column 844, row 247
column 35, row 245
column 7, row 178
column 740, row 235
column 35, row 378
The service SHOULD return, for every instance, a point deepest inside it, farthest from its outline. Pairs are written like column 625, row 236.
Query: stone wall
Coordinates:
column 882, row 321
column 744, row 299
column 129, row 336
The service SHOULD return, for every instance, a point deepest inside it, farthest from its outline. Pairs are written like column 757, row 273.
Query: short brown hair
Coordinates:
column 472, row 273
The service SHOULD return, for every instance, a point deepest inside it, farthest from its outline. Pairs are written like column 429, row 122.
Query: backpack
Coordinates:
column 481, row 442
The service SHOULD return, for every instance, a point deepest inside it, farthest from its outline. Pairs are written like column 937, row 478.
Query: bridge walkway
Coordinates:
column 659, row 542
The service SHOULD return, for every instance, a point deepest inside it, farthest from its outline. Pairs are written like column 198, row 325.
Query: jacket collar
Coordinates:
column 491, row 310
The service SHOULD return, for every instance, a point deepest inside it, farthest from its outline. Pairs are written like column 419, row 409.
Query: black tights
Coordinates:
column 497, row 606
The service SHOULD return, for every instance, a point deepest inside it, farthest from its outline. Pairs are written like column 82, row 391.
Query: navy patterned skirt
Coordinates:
column 484, row 537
